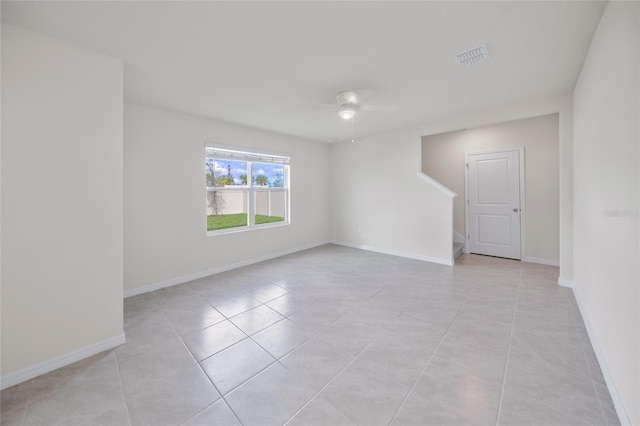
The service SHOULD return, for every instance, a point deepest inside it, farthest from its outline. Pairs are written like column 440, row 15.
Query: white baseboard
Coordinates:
column 186, row 278
column 565, row 283
column 549, row 262
column 60, row 361
column 608, row 378
column 438, row 260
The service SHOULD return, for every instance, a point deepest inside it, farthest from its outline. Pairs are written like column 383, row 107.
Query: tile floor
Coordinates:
column 338, row 336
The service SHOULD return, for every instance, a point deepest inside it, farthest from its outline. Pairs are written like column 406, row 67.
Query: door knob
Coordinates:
column 515, row 209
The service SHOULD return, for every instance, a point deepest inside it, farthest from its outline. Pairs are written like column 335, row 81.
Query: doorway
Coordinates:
column 494, row 187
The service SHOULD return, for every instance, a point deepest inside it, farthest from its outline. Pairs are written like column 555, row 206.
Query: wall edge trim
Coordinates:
column 63, row 360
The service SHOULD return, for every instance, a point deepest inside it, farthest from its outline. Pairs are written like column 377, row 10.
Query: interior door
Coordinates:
column 493, row 197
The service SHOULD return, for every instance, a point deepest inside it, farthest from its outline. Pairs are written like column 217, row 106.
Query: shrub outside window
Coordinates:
column 245, row 190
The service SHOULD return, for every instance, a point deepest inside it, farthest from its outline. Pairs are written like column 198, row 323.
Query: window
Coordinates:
column 245, row 190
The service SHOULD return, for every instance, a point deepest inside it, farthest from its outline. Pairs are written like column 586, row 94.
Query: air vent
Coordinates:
column 473, row 56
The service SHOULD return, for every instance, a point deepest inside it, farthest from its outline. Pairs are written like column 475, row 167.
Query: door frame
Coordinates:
column 520, row 151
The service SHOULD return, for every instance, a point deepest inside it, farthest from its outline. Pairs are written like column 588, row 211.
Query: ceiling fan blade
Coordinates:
column 322, row 105
column 370, row 107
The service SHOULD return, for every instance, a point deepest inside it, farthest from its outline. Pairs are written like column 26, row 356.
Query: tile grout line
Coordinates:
column 345, row 367
column 308, row 334
column 124, row 397
column 23, row 407
column 24, row 414
column 222, row 396
column 506, row 364
column 277, row 359
column 415, row 383
column 250, row 337
column 198, row 362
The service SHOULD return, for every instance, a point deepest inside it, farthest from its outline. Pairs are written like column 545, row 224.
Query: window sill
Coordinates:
column 240, row 229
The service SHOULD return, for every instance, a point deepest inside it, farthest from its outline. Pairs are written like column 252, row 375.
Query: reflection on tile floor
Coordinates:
column 338, row 336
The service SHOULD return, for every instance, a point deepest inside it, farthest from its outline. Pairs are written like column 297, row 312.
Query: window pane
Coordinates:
column 227, row 209
column 225, row 173
column 239, row 182
column 270, row 205
column 268, row 174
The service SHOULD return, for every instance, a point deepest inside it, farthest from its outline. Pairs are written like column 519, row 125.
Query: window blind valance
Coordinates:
column 231, row 154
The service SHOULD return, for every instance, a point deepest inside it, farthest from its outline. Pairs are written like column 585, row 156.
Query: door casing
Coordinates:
column 521, row 153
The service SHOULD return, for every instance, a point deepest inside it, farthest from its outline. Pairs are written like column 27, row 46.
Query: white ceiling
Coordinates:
column 278, row 65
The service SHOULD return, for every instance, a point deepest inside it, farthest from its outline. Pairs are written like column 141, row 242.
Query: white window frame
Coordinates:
column 230, row 153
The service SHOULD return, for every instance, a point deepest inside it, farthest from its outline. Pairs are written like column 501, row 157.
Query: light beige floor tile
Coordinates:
column 488, row 340
column 266, row 292
column 559, row 356
column 270, row 398
column 99, row 368
column 17, row 396
column 13, row 417
column 420, row 411
column 256, row 319
column 467, row 396
column 211, row 340
column 237, row 305
column 72, row 401
column 353, row 335
column 282, row 337
column 168, row 399
column 519, row 409
column 575, row 396
column 217, row 414
column 316, row 362
column 139, row 304
column 319, row 413
column 173, row 293
column 191, row 314
column 402, row 351
column 289, row 304
column 236, row 364
column 364, row 396
column 217, row 293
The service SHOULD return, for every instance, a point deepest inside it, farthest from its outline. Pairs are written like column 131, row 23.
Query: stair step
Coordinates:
column 458, row 249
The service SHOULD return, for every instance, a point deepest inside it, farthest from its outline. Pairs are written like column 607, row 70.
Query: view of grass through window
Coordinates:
column 224, row 221
column 237, row 186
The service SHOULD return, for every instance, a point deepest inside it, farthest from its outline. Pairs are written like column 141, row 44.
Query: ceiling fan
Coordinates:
column 347, row 104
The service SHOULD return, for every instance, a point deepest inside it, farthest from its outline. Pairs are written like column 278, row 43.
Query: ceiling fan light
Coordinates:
column 347, row 112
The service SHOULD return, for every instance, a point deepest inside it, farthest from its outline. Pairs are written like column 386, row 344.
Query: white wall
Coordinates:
column 381, row 204
column 62, row 258
column 606, row 179
column 443, row 158
column 164, row 209
column 389, row 161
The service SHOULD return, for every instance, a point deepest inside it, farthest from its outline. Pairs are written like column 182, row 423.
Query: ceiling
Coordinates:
column 278, row 65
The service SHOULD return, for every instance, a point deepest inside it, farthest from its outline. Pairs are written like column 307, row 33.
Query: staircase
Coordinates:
column 457, row 250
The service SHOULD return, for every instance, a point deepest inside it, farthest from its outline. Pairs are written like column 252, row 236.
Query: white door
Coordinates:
column 493, row 196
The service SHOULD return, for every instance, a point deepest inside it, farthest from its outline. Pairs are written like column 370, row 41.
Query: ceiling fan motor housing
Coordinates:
column 348, row 104
column 347, row 98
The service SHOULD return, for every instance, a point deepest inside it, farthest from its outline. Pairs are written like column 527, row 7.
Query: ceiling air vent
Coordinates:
column 473, row 56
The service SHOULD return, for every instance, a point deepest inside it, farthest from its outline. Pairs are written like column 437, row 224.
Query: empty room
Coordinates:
column 320, row 213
